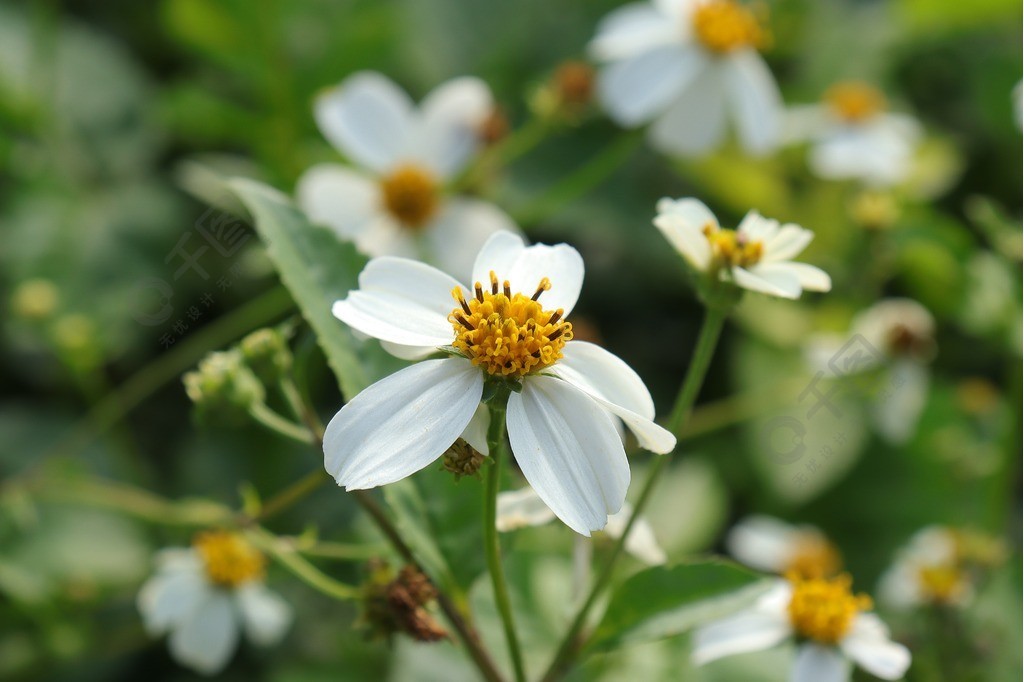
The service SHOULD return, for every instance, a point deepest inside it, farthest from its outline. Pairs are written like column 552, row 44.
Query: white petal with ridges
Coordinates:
column 447, row 132
column 637, row 89
column 265, row 615
column 569, row 451
column 688, row 239
column 343, row 199
column 612, row 382
column 525, row 266
column 206, row 639
column 816, row 663
column 475, row 432
column 402, row 423
column 368, row 118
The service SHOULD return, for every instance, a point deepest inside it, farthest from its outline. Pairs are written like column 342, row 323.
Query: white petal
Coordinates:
column 693, row 211
column 475, row 432
column 641, row 542
column 447, row 132
column 695, row 123
column 265, row 615
column 525, row 266
column 405, row 352
column 614, row 385
column 631, row 30
column 869, row 646
column 763, row 542
column 783, row 284
column 169, row 597
column 568, row 449
column 368, row 118
column 756, row 102
column 819, row 664
column 755, row 226
column 402, row 423
column 900, row 586
column 346, row 201
column 809, row 277
column 401, row 301
column 206, row 639
column 748, row 631
column 897, row 416
column 459, row 232
column 635, row 90
column 787, row 243
column 521, row 508
column 689, row 240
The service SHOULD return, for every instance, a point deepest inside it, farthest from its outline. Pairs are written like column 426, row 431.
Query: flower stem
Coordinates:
column 714, row 320
column 302, row 569
column 496, row 446
column 275, row 422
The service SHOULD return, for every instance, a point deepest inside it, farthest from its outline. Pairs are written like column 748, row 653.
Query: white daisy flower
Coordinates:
column 831, row 624
column 768, row 544
column 928, row 571
column 521, row 508
column 394, row 202
column 689, row 66
column 852, row 136
column 755, row 256
column 206, row 596
column 510, row 328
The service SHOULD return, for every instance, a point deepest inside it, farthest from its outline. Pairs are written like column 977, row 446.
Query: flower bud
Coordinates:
column 397, row 603
column 267, row 354
column 494, row 128
column 223, row 383
column 34, row 299
column 462, row 459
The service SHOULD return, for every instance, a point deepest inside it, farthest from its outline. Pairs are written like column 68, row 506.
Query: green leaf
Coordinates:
column 665, row 601
column 318, row 269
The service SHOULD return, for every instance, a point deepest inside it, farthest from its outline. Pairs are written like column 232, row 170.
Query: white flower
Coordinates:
column 206, row 596
column 755, row 256
column 831, row 624
column 511, row 329
column 521, row 508
column 689, row 66
column 928, row 571
column 853, row 137
column 768, row 544
column 394, row 203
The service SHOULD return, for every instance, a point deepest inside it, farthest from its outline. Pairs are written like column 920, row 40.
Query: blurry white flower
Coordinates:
column 755, row 256
column 206, row 596
column 521, row 508
column 768, row 544
column 689, row 66
column 510, row 330
column 927, row 571
column 900, row 334
column 394, row 204
column 829, row 622
column 853, row 137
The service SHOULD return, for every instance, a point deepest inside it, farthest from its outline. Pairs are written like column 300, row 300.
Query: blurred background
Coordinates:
column 112, row 116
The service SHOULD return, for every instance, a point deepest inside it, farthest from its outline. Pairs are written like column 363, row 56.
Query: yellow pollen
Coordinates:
column 729, row 248
column 854, row 101
column 823, row 609
column 410, row 195
column 815, row 557
column 228, row 559
column 723, row 26
column 508, row 334
column 942, row 584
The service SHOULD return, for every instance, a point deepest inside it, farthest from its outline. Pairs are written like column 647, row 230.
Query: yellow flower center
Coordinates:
column 941, row 584
column 854, row 102
column 814, row 557
column 723, row 26
column 228, row 559
column 730, row 248
column 823, row 609
column 508, row 334
column 410, row 195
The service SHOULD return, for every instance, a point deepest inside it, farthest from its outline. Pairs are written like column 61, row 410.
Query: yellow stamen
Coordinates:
column 228, row 559
column 508, row 334
column 814, row 557
column 823, row 609
column 729, row 248
column 854, row 101
column 941, row 584
column 410, row 195
column 724, row 25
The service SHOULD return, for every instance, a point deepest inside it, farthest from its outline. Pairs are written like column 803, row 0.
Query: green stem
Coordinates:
column 714, row 320
column 496, row 446
column 302, row 569
column 275, row 422
column 292, row 494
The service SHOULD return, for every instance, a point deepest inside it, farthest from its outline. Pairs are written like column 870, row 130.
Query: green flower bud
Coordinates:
column 223, row 383
column 266, row 352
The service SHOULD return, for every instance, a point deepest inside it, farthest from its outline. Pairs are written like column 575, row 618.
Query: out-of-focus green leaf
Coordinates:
column 952, row 14
column 317, row 268
column 669, row 600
